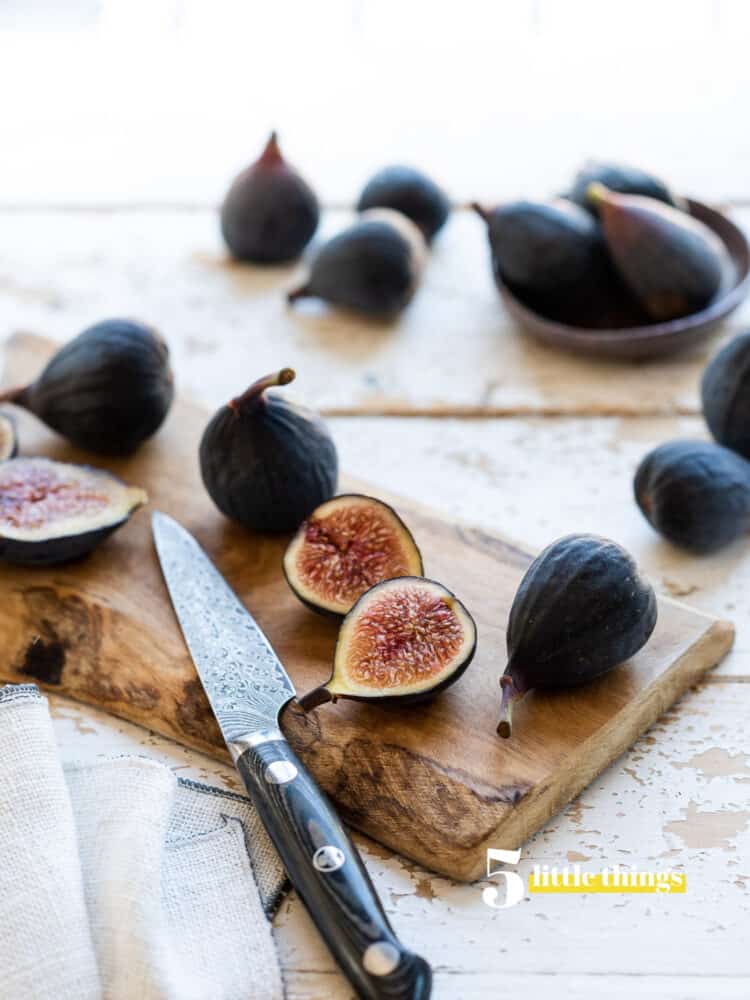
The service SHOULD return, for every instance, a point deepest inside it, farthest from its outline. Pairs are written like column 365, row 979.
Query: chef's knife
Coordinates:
column 247, row 687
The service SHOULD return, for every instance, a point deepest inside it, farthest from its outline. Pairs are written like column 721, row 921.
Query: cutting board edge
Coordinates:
column 705, row 654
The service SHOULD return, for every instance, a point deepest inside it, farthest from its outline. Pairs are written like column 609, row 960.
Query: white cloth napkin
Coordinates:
column 118, row 881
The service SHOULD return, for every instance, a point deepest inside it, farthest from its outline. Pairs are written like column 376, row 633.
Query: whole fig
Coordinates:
column 373, row 267
column 107, row 390
column 543, row 246
column 581, row 609
column 270, row 213
column 672, row 262
column 265, row 462
column 410, row 192
column 695, row 493
column 725, row 390
column 622, row 179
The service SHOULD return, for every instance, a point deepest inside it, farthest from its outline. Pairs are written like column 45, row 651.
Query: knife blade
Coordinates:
column 247, row 687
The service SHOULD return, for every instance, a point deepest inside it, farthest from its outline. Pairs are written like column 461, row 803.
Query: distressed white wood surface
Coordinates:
column 679, row 797
column 454, row 350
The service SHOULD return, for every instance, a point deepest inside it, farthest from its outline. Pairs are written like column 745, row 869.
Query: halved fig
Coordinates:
column 53, row 512
column 346, row 546
column 404, row 639
column 8, row 437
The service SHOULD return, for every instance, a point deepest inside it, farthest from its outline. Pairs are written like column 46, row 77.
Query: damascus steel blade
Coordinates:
column 241, row 675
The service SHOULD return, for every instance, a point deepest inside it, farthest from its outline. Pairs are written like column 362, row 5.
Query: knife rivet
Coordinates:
column 328, row 858
column 380, row 958
column 279, row 772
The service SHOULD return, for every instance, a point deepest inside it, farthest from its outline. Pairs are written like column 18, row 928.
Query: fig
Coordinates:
column 622, row 179
column 372, row 267
column 725, row 390
column 410, row 192
column 346, row 546
column 695, row 493
column 405, row 639
column 107, row 390
column 8, row 437
column 581, row 609
column 543, row 247
column 265, row 462
column 53, row 512
column 270, row 213
column 672, row 262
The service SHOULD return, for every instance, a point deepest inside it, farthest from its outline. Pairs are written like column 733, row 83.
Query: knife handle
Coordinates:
column 324, row 867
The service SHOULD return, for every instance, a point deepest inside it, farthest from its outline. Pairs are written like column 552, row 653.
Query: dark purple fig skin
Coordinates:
column 265, row 462
column 622, row 179
column 543, row 247
column 410, row 192
column 581, row 609
column 695, row 493
column 270, row 213
column 107, row 390
column 56, row 551
column 370, row 267
column 725, row 390
column 671, row 262
column 8, row 437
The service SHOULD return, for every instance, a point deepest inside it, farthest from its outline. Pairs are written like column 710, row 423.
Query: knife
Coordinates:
column 247, row 687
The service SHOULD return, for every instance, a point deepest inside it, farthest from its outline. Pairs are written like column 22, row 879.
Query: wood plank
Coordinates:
column 541, row 479
column 436, row 784
column 468, row 985
column 454, row 350
column 693, row 763
column 677, row 798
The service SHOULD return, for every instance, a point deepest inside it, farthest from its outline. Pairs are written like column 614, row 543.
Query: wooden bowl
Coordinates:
column 654, row 339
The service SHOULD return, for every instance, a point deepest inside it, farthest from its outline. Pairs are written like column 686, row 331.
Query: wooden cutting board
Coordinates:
column 433, row 782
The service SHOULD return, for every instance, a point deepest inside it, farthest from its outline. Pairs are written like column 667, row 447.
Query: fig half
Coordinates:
column 8, row 437
column 53, row 512
column 346, row 546
column 404, row 640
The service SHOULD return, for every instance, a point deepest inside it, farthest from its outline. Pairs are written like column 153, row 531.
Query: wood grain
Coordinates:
column 454, row 351
column 434, row 783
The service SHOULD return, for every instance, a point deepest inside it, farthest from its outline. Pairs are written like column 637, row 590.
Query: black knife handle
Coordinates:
column 324, row 867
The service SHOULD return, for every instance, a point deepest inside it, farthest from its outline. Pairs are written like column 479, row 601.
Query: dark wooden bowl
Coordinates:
column 654, row 339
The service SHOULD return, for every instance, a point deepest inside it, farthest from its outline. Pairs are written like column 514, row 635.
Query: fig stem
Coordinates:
column 298, row 293
column 483, row 213
column 510, row 695
column 597, row 192
column 254, row 393
column 271, row 153
column 318, row 696
column 13, row 395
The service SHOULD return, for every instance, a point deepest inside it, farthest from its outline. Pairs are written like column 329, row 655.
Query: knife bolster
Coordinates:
column 242, row 743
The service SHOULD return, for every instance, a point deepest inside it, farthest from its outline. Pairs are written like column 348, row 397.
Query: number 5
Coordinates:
column 514, row 887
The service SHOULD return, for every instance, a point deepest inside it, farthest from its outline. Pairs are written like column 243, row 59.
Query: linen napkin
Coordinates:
column 119, row 881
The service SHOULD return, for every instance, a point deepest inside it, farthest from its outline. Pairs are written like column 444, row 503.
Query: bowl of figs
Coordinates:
column 618, row 266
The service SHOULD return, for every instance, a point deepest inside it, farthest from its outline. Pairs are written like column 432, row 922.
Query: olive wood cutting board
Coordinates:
column 434, row 781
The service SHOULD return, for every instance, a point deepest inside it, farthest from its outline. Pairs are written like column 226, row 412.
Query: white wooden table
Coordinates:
column 679, row 796
column 451, row 406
